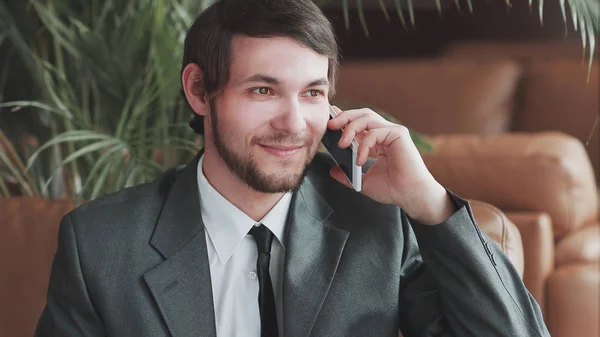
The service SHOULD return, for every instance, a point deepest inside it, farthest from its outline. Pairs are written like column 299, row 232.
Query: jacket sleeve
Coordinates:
column 69, row 310
column 456, row 281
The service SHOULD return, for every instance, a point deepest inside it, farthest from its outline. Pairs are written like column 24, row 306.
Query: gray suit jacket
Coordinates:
column 135, row 263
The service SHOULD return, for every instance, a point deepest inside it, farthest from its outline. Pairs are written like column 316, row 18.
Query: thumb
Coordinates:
column 337, row 174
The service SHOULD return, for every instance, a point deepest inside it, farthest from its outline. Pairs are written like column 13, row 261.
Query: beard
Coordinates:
column 245, row 167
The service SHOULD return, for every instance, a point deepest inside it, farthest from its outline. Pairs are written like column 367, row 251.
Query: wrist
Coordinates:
column 430, row 204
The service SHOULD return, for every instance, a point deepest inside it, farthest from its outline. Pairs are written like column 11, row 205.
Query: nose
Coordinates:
column 291, row 118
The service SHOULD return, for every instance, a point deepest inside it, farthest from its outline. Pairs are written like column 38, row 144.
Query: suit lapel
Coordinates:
column 181, row 285
column 313, row 250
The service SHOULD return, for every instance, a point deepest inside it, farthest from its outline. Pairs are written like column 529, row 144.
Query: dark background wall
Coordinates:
column 490, row 21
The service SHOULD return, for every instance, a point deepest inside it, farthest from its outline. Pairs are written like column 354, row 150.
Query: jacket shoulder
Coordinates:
column 143, row 199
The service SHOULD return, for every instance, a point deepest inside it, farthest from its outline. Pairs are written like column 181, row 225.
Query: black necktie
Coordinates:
column 266, row 300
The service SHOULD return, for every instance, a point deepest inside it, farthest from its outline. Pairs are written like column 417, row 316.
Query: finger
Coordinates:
column 337, row 174
column 382, row 136
column 358, row 126
column 360, row 136
column 345, row 117
column 367, row 144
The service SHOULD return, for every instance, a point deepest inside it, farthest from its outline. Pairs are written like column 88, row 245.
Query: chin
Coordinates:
column 285, row 183
column 276, row 178
column 284, row 167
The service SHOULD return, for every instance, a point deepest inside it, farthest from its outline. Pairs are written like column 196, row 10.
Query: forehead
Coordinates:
column 279, row 57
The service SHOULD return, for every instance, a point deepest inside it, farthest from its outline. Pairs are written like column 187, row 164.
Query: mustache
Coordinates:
column 283, row 138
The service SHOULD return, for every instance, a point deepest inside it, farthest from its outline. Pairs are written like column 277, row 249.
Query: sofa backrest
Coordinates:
column 485, row 88
column 435, row 96
column 556, row 94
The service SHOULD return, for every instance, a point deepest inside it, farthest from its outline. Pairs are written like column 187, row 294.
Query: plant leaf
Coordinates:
column 563, row 13
column 587, row 17
column 411, row 12
column 59, row 31
column 97, row 165
column 25, row 104
column 420, row 141
column 400, row 12
column 530, row 6
column 593, row 129
column 11, row 159
column 361, row 17
column 101, row 181
column 457, row 5
column 383, row 7
column 72, row 136
column 79, row 153
column 346, row 14
column 4, row 191
column 574, row 16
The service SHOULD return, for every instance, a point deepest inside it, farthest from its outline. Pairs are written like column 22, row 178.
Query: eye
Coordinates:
column 314, row 93
column 262, row 91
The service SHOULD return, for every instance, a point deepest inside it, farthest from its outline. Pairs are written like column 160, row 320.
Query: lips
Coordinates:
column 283, row 148
column 282, row 151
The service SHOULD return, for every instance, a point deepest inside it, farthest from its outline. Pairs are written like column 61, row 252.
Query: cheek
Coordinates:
column 237, row 118
column 317, row 118
column 244, row 127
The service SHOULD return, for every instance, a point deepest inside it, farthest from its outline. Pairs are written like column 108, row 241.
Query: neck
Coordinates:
column 253, row 203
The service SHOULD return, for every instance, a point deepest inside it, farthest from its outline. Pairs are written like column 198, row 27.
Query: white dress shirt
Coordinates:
column 232, row 256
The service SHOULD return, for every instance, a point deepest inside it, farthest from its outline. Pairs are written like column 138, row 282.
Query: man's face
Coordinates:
column 269, row 120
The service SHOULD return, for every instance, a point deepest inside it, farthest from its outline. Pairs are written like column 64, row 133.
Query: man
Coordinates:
column 261, row 236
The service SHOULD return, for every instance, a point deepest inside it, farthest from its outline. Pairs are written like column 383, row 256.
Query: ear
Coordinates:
column 191, row 80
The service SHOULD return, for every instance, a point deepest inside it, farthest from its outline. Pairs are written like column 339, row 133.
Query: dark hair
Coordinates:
column 208, row 41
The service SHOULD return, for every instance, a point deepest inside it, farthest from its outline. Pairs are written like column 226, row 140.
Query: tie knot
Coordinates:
column 263, row 237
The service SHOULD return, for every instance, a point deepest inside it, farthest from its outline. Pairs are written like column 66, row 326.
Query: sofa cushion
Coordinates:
column 573, row 305
column 582, row 246
column 437, row 96
column 544, row 172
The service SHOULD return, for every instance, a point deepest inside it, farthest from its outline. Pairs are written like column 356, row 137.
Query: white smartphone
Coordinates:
column 345, row 158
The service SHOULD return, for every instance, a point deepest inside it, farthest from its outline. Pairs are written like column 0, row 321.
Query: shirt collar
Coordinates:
column 227, row 225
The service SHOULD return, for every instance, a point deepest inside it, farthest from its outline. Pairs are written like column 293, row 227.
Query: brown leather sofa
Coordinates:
column 29, row 228
column 509, row 130
column 545, row 184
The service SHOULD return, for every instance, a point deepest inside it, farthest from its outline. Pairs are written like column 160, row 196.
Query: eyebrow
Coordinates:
column 261, row 78
column 273, row 81
column 321, row 81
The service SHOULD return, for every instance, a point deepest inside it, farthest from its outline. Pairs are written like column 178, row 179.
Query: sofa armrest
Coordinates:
column 29, row 228
column 538, row 251
column 543, row 172
column 501, row 230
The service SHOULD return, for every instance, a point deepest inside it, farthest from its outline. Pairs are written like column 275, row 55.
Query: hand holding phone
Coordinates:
column 345, row 158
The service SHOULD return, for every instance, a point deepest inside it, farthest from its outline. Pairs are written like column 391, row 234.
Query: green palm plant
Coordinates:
column 109, row 78
column 106, row 75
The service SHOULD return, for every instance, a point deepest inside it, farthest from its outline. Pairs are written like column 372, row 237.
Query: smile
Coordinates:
column 282, row 151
